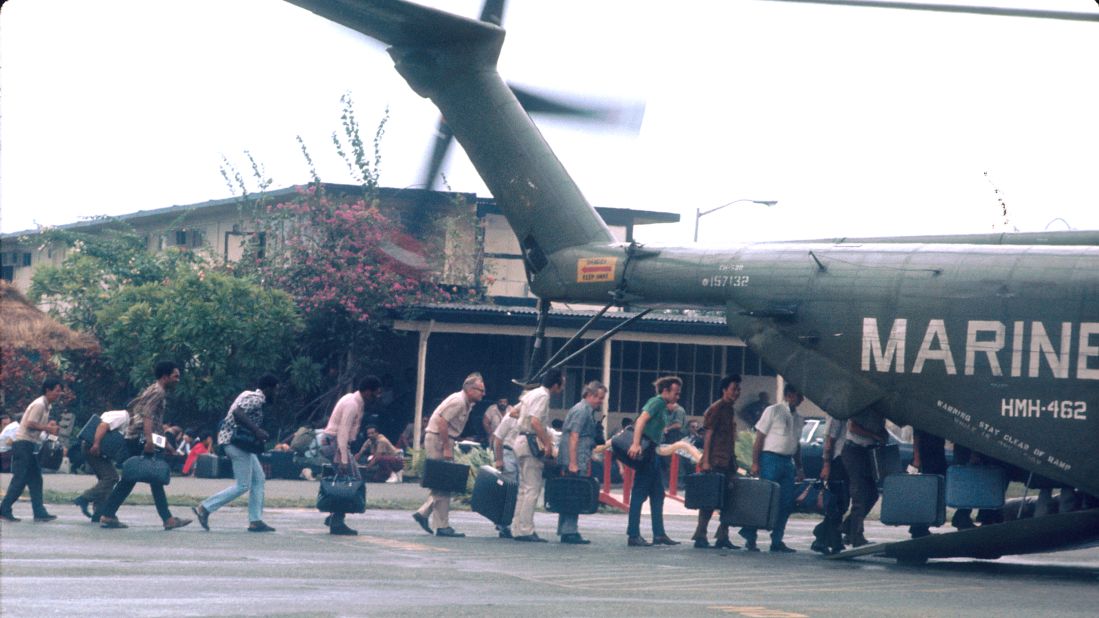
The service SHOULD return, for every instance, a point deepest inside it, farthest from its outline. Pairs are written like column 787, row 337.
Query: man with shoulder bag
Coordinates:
column 102, row 465
column 531, row 445
column 146, row 414
column 343, row 426
column 244, row 440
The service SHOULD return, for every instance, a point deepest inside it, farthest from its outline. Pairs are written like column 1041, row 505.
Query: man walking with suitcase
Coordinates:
column 506, row 461
column 719, row 455
column 105, row 472
column 444, row 427
column 578, row 437
column 335, row 441
column 776, row 456
column 532, row 443
column 648, row 482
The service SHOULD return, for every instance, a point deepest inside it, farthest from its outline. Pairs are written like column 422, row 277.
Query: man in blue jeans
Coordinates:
column 648, row 482
column 776, row 456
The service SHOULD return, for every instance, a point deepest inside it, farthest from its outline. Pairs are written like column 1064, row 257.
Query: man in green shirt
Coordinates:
column 648, row 482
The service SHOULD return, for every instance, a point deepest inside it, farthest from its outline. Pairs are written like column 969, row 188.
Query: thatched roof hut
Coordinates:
column 24, row 326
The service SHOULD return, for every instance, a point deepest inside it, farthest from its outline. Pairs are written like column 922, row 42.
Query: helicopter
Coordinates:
column 988, row 340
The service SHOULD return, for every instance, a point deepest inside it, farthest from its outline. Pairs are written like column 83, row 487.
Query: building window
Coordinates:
column 26, row 259
column 181, row 238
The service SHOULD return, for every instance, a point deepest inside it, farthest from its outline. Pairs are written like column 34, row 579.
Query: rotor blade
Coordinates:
column 628, row 116
column 955, row 8
column 493, row 12
column 443, row 138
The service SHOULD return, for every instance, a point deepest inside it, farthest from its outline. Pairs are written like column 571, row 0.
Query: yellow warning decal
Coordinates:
column 593, row 270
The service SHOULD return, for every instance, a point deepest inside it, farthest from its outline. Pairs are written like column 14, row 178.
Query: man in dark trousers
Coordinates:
column 719, row 455
column 146, row 415
column 25, row 471
column 105, row 472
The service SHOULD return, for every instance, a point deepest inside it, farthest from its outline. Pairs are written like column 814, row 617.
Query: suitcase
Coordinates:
column 705, row 490
column 913, row 500
column 493, row 496
column 113, row 447
column 142, row 469
column 282, row 465
column 885, row 461
column 753, row 503
column 446, row 476
column 975, row 487
column 577, row 495
column 206, row 466
column 50, row 455
column 87, row 434
column 620, row 445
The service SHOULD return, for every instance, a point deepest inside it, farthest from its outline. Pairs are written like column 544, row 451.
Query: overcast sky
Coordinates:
column 858, row 121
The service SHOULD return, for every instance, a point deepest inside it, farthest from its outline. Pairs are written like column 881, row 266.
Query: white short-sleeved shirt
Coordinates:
column 837, row 430
column 535, row 404
column 507, row 430
column 782, row 429
column 870, row 422
column 115, row 419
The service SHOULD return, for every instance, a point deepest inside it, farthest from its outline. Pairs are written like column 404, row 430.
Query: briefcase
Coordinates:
column 341, row 494
column 705, row 490
column 621, row 443
column 913, row 500
column 752, row 503
column 142, row 469
column 494, row 496
column 975, row 487
column 87, row 434
column 207, row 466
column 885, row 460
column 50, row 455
column 572, row 495
column 113, row 447
column 445, row 476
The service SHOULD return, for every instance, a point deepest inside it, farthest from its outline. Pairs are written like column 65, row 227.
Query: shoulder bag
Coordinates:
column 342, row 493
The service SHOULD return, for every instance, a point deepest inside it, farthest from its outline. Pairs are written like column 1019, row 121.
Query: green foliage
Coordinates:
column 745, row 440
column 224, row 332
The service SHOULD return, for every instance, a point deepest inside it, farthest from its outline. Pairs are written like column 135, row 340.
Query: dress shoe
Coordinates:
column 84, row 503
column 574, row 539
column 505, row 533
column 175, row 522
column 203, row 516
column 449, row 533
column 328, row 521
column 858, row 540
column 111, row 522
column 751, row 546
column 422, row 520
column 9, row 517
column 530, row 538
column 44, row 518
column 342, row 530
column 664, row 540
column 725, row 544
column 702, row 544
column 820, row 548
column 259, row 526
column 638, row 541
column 781, row 548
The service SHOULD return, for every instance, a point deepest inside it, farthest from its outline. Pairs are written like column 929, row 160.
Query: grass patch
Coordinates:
column 62, row 497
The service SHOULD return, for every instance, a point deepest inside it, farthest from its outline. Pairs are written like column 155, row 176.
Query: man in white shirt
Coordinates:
column 533, row 423
column 104, row 469
column 506, row 461
column 25, row 471
column 776, row 456
column 828, row 534
column 865, row 432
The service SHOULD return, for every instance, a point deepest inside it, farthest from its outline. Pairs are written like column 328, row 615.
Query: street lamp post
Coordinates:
column 699, row 212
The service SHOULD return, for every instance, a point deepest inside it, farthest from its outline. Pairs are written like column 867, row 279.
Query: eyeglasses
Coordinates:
column 477, row 388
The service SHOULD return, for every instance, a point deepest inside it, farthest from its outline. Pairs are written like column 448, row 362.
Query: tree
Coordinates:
column 223, row 331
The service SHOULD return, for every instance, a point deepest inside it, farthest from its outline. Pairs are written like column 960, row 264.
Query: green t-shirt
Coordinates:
column 658, row 418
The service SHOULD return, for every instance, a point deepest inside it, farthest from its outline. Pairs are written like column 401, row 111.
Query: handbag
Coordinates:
column 621, row 444
column 50, row 455
column 810, row 497
column 341, row 494
column 146, row 469
column 244, row 439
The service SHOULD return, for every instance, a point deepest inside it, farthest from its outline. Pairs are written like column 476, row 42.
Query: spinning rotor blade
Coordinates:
column 956, row 8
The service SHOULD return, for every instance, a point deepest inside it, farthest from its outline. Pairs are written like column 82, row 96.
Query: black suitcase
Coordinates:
column 572, row 495
column 493, row 496
column 50, row 455
column 282, row 465
column 620, row 445
column 753, row 503
column 206, row 466
column 87, row 434
column 446, row 476
column 705, row 490
column 113, row 447
column 913, row 500
column 975, row 487
column 885, row 460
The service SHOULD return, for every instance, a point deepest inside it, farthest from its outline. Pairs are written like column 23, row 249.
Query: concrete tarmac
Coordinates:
column 72, row 567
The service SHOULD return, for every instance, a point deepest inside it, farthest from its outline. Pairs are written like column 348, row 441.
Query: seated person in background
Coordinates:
column 406, row 442
column 203, row 445
column 7, row 435
column 383, row 460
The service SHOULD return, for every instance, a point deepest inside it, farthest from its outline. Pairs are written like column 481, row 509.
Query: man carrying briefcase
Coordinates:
column 719, row 455
column 577, row 443
column 101, row 465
